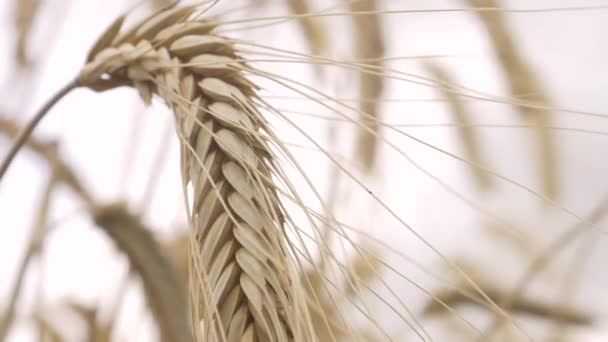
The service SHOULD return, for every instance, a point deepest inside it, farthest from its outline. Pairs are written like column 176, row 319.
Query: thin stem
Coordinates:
column 27, row 131
column 31, row 252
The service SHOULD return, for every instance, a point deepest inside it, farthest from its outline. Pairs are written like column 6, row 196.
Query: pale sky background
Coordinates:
column 567, row 51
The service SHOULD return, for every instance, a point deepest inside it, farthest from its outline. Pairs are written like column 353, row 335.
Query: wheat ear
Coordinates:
column 369, row 48
column 244, row 278
column 25, row 13
column 315, row 33
column 532, row 101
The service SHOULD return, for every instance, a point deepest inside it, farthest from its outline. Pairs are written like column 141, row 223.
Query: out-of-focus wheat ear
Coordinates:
column 529, row 96
column 326, row 325
column 523, row 305
column 244, row 284
column 368, row 50
column 176, row 251
column 160, row 4
column 25, row 13
column 313, row 29
column 462, row 117
column 164, row 293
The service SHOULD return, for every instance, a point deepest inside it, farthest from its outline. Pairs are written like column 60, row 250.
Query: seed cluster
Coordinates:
column 248, row 290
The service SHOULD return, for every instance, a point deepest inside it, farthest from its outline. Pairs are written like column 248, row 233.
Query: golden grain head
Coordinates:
column 247, row 280
column 249, row 288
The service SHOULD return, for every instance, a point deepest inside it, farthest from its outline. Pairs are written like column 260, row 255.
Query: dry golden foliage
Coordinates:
column 369, row 50
column 244, row 281
column 463, row 119
column 531, row 100
column 165, row 295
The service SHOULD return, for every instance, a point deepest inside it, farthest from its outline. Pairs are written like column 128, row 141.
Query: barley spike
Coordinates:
column 248, row 288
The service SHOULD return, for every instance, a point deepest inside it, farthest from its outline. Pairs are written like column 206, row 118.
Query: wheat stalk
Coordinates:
column 244, row 281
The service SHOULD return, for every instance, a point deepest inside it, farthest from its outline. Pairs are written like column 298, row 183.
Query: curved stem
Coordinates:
column 27, row 131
